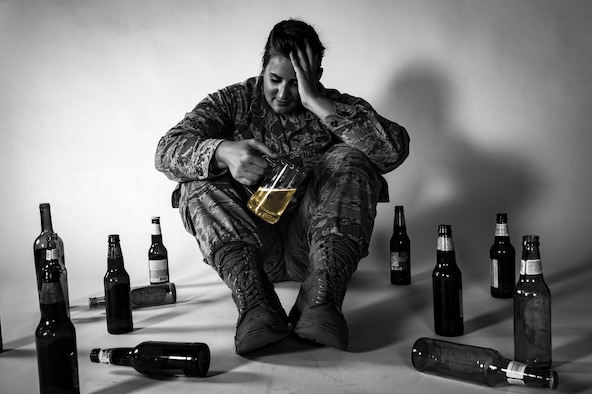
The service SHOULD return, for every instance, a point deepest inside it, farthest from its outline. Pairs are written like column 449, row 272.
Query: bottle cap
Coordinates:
column 502, row 217
column 94, row 355
column 114, row 238
column 528, row 239
column 444, row 229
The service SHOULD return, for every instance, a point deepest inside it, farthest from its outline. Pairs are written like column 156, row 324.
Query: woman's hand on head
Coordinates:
column 243, row 159
column 307, row 67
column 308, row 72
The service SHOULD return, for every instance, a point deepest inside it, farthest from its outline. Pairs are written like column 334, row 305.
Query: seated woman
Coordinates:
column 339, row 141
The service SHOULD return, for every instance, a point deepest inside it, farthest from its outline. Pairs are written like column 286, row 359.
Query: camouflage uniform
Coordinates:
column 344, row 157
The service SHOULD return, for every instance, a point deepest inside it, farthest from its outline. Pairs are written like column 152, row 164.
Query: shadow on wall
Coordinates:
column 452, row 180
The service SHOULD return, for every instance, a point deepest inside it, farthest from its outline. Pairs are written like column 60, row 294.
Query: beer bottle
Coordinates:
column 55, row 336
column 1, row 342
column 476, row 364
column 144, row 296
column 532, row 309
column 158, row 262
column 40, row 246
column 503, row 260
column 117, row 291
column 400, row 248
column 155, row 358
column 447, row 287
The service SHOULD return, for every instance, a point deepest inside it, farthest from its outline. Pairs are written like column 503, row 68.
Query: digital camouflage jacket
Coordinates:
column 240, row 112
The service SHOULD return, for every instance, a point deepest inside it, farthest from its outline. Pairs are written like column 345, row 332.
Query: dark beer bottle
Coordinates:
column 476, row 364
column 55, row 336
column 159, row 358
column 117, row 291
column 144, row 296
column 400, row 248
column 158, row 262
column 40, row 246
column 532, row 309
column 1, row 342
column 503, row 260
column 447, row 287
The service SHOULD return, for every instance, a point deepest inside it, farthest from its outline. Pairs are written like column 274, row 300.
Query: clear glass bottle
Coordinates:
column 447, row 287
column 159, row 358
column 144, row 296
column 502, row 260
column 40, row 246
column 55, row 335
column 400, row 250
column 158, row 262
column 479, row 365
column 117, row 291
column 532, row 309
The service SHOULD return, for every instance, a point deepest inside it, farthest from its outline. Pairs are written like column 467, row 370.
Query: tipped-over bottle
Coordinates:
column 477, row 364
column 159, row 358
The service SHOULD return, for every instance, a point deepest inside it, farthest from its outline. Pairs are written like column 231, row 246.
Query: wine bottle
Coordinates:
column 156, row 358
column 447, row 287
column 476, row 364
column 400, row 250
column 117, row 291
column 40, row 246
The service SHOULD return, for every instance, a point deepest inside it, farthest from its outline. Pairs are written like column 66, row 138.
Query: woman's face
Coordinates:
column 280, row 86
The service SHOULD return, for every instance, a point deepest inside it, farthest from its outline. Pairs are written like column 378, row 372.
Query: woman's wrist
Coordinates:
column 321, row 106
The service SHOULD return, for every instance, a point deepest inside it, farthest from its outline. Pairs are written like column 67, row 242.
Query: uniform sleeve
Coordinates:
column 355, row 122
column 184, row 152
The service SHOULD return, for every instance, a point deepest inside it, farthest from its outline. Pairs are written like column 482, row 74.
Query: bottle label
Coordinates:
column 445, row 244
column 399, row 261
column 158, row 270
column 156, row 229
column 52, row 254
column 531, row 267
column 104, row 356
column 515, row 373
column 494, row 271
column 501, row 230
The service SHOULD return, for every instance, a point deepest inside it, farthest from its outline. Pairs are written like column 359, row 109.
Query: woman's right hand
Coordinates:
column 243, row 159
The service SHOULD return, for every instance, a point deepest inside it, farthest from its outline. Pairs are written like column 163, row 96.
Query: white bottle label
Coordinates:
column 494, row 271
column 531, row 267
column 445, row 244
column 515, row 373
column 158, row 270
column 501, row 230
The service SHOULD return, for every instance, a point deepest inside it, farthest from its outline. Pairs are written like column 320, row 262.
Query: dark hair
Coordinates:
column 288, row 35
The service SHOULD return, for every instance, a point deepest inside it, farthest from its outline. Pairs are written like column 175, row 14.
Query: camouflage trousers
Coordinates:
column 339, row 199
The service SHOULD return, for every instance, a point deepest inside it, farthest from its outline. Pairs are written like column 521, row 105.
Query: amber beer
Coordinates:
column 269, row 203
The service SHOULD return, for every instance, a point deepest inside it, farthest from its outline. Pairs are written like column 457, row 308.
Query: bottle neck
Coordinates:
column 399, row 222
column 114, row 257
column 46, row 225
column 445, row 244
column 115, row 356
column 501, row 230
column 522, row 375
column 531, row 267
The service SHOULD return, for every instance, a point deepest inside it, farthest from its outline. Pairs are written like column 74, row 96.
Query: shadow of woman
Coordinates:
column 448, row 179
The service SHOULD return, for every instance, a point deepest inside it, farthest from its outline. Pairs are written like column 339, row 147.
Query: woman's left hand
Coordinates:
column 307, row 67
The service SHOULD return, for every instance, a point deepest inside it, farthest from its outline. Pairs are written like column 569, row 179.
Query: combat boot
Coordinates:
column 317, row 314
column 261, row 318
